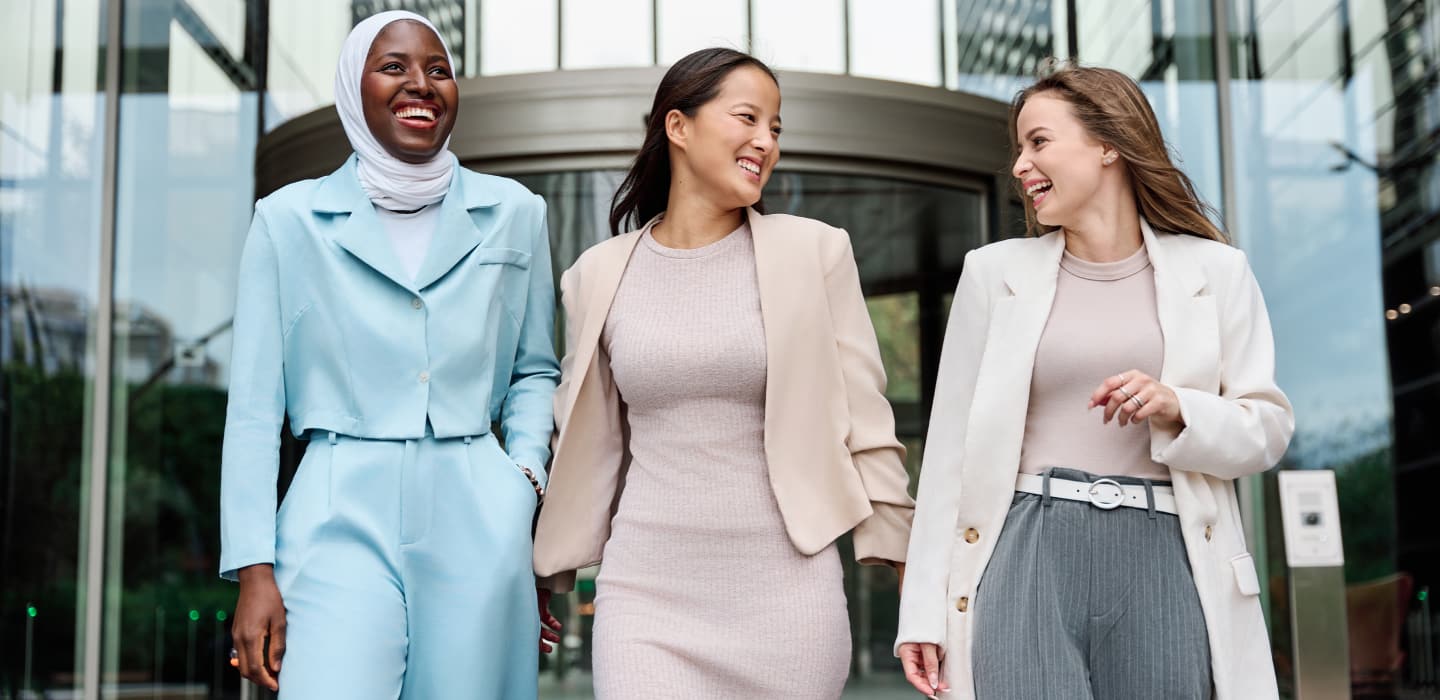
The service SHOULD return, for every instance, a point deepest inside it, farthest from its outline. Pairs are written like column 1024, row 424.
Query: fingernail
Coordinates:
column 934, row 681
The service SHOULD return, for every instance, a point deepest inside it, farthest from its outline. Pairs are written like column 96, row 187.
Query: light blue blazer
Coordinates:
column 330, row 331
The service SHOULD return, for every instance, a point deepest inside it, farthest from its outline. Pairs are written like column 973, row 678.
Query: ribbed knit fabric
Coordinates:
column 701, row 593
column 1103, row 322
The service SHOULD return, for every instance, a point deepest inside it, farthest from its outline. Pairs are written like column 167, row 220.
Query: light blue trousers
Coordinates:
column 405, row 570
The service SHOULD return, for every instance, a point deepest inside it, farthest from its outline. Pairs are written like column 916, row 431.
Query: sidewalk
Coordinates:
column 883, row 686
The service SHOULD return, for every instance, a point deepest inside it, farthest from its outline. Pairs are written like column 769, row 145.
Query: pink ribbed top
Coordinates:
column 1103, row 322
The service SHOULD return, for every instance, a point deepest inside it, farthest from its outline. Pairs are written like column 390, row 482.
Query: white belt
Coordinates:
column 1101, row 493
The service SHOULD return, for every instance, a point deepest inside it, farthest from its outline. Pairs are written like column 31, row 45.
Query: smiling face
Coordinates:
column 408, row 91
column 1060, row 165
column 731, row 144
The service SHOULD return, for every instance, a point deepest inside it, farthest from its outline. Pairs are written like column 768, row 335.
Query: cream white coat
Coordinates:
column 1220, row 360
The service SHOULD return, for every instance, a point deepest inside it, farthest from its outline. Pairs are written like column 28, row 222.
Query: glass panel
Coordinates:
column 998, row 46
column 1116, row 33
column 518, row 37
column 51, row 151
column 896, row 318
column 1168, row 48
column 304, row 45
column 687, row 26
column 1336, row 205
column 225, row 19
column 800, row 34
column 603, row 35
column 880, row 28
column 578, row 211
column 187, row 142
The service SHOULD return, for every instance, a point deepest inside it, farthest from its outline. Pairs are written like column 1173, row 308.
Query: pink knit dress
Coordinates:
column 701, row 593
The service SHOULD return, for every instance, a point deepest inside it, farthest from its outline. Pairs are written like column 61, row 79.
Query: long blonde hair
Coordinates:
column 1115, row 112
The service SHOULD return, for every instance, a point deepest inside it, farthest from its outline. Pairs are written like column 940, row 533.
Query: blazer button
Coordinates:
column 972, row 535
column 1208, row 532
column 963, row 603
column 424, row 377
column 416, row 302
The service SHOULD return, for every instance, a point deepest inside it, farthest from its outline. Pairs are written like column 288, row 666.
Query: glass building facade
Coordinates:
column 135, row 136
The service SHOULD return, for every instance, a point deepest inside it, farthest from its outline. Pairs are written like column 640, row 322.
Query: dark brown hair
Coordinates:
column 1115, row 112
column 689, row 84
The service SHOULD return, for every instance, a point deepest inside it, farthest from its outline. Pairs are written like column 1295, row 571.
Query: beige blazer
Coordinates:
column 1220, row 360
column 835, row 464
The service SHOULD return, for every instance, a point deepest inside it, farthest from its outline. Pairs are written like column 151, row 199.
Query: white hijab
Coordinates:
column 388, row 181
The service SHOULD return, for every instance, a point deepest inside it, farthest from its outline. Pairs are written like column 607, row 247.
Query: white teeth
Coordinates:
column 415, row 112
column 748, row 166
column 1031, row 190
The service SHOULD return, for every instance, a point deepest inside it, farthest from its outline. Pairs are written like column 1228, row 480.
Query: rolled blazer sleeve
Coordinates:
column 923, row 603
column 250, row 456
column 1246, row 428
column 878, row 456
column 526, row 419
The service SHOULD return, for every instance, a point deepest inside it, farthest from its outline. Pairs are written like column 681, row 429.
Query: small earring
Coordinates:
column 1109, row 159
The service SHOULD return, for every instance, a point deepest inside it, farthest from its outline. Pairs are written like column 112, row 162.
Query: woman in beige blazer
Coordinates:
column 1030, row 574
column 722, row 417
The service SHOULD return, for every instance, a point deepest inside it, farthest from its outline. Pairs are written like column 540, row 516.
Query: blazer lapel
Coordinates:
column 1003, row 382
column 1188, row 320
column 361, row 235
column 776, row 316
column 458, row 232
column 598, row 295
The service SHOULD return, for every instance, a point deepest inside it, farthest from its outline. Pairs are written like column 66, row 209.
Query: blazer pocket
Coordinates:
column 502, row 256
column 1245, row 578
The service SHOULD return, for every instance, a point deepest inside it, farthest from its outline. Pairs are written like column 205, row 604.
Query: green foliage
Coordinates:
column 1366, row 490
column 896, row 318
column 169, row 476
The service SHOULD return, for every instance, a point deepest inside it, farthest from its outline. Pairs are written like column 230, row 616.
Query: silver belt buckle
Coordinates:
column 1107, row 499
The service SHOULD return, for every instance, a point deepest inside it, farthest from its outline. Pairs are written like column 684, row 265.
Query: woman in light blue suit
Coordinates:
column 394, row 309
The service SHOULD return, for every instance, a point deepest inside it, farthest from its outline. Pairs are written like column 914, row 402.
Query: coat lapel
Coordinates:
column 776, row 314
column 1016, row 324
column 363, row 235
column 460, row 228
column 1188, row 320
column 597, row 297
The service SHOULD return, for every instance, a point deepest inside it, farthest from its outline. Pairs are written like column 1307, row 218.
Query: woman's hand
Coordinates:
column 259, row 615
column 1136, row 396
column 922, row 668
column 549, row 626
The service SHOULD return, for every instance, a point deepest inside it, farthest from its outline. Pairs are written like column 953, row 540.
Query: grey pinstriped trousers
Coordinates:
column 1080, row 602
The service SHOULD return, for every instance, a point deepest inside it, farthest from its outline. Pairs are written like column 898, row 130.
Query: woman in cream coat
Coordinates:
column 722, row 416
column 1031, row 579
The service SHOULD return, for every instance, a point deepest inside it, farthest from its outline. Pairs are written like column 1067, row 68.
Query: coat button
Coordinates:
column 1208, row 532
column 972, row 535
column 416, row 302
column 424, row 377
column 963, row 603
